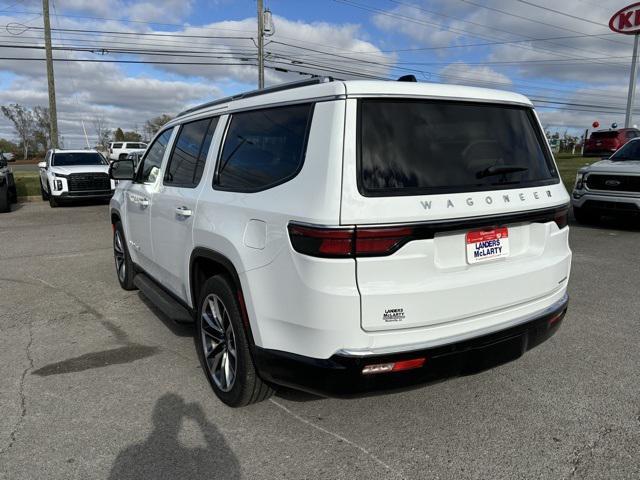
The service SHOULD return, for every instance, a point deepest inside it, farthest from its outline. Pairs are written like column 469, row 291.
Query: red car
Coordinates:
column 607, row 142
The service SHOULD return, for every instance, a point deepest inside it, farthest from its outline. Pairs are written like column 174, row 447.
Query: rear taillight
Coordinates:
column 561, row 218
column 380, row 241
column 322, row 242
column 347, row 242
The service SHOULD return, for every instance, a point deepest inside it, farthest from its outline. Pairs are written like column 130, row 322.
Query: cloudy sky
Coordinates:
column 561, row 54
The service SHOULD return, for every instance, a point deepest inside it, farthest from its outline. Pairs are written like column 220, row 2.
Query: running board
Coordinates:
column 161, row 299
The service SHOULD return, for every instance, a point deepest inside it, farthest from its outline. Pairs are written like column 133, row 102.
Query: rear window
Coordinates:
column 135, row 145
column 601, row 135
column 116, row 145
column 417, row 147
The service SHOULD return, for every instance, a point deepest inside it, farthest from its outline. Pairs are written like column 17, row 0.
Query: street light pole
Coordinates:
column 632, row 83
column 53, row 114
column 260, row 45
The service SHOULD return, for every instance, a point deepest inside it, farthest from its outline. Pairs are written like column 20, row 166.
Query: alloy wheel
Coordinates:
column 218, row 342
column 119, row 256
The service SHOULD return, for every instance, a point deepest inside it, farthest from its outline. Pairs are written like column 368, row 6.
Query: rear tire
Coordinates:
column 124, row 264
column 5, row 203
column 583, row 215
column 223, row 347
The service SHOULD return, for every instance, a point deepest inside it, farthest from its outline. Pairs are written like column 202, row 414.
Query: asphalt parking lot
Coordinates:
column 96, row 383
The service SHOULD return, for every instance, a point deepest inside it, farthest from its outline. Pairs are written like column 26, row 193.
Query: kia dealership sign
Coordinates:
column 626, row 20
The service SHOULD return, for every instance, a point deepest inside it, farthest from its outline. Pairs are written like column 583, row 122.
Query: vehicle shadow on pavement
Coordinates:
column 162, row 455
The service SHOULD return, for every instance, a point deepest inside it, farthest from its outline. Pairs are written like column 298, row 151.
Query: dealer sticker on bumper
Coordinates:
column 483, row 245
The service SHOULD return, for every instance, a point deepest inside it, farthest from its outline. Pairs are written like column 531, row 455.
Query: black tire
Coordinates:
column 5, row 203
column 246, row 387
column 13, row 194
column 43, row 192
column 53, row 202
column 123, row 156
column 124, row 264
column 583, row 215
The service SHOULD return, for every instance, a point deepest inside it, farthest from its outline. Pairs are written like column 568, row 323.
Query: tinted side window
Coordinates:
column 190, row 153
column 117, row 145
column 264, row 148
column 153, row 160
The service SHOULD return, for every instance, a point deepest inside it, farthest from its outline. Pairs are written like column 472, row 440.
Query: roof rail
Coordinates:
column 255, row 93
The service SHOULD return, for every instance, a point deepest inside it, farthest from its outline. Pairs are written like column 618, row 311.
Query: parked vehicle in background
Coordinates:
column 8, row 156
column 340, row 237
column 67, row 175
column 136, row 156
column 120, row 150
column 8, row 192
column 610, row 186
column 605, row 142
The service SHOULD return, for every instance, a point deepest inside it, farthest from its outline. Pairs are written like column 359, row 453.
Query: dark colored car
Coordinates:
column 606, row 142
column 8, row 194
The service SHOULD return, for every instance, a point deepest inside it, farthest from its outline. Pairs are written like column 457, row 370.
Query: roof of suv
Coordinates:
column 333, row 89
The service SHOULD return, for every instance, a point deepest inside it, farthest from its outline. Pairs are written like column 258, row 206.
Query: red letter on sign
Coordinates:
column 623, row 20
column 636, row 18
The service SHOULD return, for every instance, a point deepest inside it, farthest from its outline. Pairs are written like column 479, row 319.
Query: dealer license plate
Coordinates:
column 484, row 245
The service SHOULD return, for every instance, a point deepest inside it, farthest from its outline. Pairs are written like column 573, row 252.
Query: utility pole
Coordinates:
column 632, row 83
column 53, row 114
column 260, row 45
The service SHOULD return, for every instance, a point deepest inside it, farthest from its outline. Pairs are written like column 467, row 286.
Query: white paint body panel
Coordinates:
column 316, row 307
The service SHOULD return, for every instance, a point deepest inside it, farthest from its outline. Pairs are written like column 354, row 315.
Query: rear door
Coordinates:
column 454, row 206
column 175, row 201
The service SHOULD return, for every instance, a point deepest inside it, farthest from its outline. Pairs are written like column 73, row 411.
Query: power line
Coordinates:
column 565, row 14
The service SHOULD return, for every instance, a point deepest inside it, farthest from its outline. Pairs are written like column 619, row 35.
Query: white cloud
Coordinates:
column 462, row 73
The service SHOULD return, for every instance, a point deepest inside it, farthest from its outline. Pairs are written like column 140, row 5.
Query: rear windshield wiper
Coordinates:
column 500, row 170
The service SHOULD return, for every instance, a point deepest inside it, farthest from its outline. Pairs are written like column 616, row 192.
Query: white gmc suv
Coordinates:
column 346, row 236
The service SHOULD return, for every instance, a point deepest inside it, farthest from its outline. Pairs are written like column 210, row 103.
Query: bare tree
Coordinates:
column 155, row 124
column 42, row 131
column 23, row 121
column 102, row 132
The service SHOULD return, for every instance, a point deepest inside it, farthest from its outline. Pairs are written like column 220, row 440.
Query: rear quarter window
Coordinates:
column 418, row 147
column 263, row 148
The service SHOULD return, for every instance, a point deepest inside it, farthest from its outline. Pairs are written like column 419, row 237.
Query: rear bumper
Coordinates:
column 341, row 375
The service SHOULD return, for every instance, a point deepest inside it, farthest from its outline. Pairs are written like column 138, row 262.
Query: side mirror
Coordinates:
column 3, row 162
column 122, row 170
column 42, row 164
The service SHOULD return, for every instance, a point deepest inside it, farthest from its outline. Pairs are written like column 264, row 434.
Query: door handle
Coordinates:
column 183, row 211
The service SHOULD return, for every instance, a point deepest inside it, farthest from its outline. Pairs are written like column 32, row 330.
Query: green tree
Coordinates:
column 132, row 137
column 118, row 136
column 23, row 121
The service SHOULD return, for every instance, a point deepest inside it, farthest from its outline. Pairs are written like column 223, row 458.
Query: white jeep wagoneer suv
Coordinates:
column 347, row 236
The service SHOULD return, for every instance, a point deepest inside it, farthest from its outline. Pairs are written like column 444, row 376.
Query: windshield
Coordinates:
column 415, row 147
column 630, row 151
column 77, row 158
